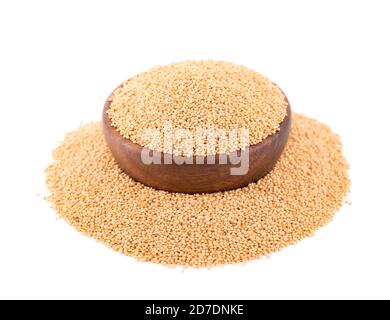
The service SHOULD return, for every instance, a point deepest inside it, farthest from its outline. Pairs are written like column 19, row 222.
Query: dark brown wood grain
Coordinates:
column 194, row 178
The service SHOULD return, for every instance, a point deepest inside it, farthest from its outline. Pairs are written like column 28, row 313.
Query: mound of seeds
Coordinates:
column 300, row 195
column 192, row 95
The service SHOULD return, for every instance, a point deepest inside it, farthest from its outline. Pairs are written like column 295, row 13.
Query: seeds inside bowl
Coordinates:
column 195, row 98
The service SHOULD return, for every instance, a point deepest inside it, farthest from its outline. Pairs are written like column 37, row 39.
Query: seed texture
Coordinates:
column 192, row 95
column 302, row 193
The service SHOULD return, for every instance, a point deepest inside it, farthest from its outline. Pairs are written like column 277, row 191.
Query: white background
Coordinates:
column 59, row 60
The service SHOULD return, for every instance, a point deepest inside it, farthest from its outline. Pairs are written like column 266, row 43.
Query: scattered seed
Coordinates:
column 301, row 194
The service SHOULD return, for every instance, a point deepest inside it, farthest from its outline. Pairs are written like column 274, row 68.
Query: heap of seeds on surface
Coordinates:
column 193, row 95
column 301, row 194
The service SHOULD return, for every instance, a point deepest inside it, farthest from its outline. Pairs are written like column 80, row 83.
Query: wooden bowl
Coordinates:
column 194, row 178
